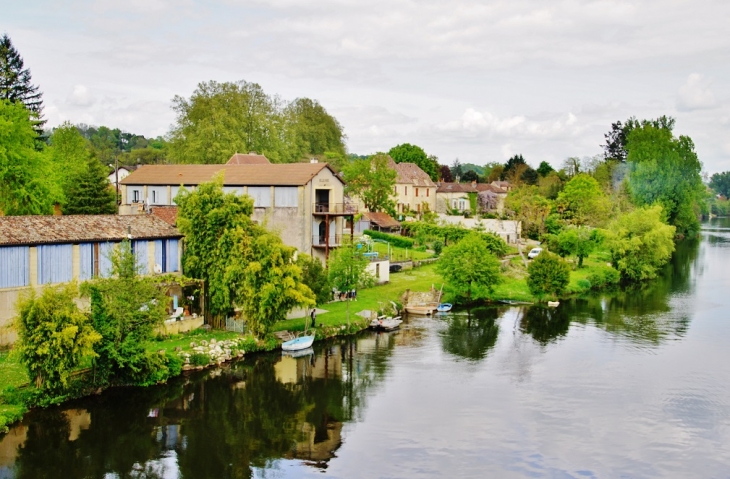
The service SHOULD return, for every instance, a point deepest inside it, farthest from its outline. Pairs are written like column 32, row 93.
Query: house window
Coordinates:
column 135, row 196
column 462, row 204
column 453, row 204
column 416, row 192
column 261, row 196
column 427, row 192
column 154, row 197
column 395, row 190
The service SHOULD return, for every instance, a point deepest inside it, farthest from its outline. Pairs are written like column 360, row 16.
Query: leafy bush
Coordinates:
column 454, row 233
column 394, row 240
column 199, row 359
column 548, row 275
column 438, row 247
column 249, row 344
column 604, row 276
column 584, row 284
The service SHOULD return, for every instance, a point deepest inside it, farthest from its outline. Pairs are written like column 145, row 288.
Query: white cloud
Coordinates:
column 80, row 96
column 695, row 94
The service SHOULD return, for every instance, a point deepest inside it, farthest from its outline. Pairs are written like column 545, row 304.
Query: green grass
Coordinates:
column 420, row 279
column 400, row 254
column 183, row 340
column 12, row 372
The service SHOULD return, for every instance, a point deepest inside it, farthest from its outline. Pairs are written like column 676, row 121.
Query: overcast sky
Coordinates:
column 475, row 80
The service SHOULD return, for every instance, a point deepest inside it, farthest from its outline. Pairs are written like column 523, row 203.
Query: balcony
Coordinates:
column 344, row 209
column 320, row 241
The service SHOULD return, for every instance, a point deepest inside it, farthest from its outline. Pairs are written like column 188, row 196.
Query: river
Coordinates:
column 626, row 384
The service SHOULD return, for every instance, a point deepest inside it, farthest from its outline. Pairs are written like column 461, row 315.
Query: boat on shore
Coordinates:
column 296, row 344
column 386, row 324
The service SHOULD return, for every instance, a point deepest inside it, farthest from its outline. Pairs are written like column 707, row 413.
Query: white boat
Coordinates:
column 298, row 354
column 386, row 324
column 421, row 309
column 302, row 342
column 553, row 304
column 444, row 307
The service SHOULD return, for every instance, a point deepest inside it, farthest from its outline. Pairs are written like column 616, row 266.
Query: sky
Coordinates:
column 477, row 81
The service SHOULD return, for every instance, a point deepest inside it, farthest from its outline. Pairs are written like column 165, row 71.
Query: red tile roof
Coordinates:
column 31, row 230
column 384, row 220
column 289, row 174
column 468, row 188
column 248, row 159
column 168, row 214
column 410, row 173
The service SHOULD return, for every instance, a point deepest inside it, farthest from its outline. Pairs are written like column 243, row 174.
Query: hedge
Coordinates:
column 394, row 240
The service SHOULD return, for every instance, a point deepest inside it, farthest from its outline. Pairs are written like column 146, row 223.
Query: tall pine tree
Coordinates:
column 91, row 193
column 16, row 86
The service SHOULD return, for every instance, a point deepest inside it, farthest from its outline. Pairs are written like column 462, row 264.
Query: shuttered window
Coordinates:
column 14, row 266
column 55, row 263
column 140, row 256
column 105, row 259
column 161, row 255
column 261, row 196
column 286, row 196
column 172, row 256
column 86, row 260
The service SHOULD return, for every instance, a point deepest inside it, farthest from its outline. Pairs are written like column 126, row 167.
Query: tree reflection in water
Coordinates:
column 544, row 324
column 217, row 424
column 471, row 335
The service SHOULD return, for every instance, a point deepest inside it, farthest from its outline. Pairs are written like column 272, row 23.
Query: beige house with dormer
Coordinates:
column 414, row 190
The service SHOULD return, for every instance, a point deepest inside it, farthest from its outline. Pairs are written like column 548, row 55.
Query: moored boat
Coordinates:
column 421, row 309
column 386, row 324
column 296, row 344
column 444, row 307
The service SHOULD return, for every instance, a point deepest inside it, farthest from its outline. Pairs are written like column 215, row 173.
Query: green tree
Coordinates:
column 469, row 176
column 311, row 130
column 469, row 268
column 218, row 233
column 577, row 241
column 348, row 270
column 220, row 119
column 457, row 170
column 69, row 155
column 125, row 308
column 24, row 173
column 315, row 276
column 665, row 170
column 529, row 207
column 90, row 192
column 16, row 86
column 54, row 336
column 583, row 202
column 373, row 181
column 512, row 164
column 272, row 284
column 640, row 243
column 548, row 275
column 544, row 169
column 720, row 182
column 407, row 153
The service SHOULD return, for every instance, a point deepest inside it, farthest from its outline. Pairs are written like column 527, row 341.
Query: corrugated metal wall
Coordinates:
column 286, row 196
column 86, row 259
column 55, row 263
column 14, row 266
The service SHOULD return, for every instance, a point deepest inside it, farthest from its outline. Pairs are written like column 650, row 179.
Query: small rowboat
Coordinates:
column 553, row 304
column 386, row 324
column 444, row 307
column 421, row 309
column 302, row 342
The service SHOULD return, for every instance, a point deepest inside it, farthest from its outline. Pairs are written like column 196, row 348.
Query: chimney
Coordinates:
column 474, row 184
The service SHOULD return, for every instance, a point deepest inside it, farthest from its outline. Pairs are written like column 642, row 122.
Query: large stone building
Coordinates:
column 303, row 202
column 42, row 250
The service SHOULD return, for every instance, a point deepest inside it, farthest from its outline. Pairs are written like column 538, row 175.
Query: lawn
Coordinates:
column 12, row 372
column 400, row 254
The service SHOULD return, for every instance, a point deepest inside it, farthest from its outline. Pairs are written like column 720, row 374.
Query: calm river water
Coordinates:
column 633, row 384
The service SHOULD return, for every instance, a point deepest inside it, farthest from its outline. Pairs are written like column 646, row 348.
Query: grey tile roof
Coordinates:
column 31, row 230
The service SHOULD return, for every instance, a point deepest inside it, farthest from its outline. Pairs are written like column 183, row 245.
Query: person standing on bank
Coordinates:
column 313, row 314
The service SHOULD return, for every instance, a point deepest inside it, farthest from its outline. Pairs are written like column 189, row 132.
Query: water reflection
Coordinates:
column 544, row 324
column 470, row 334
column 218, row 424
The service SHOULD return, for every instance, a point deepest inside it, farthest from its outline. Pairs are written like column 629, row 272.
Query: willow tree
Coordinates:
column 218, row 231
column 271, row 283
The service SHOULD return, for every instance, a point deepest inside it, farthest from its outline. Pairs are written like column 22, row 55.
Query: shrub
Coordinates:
column 438, row 247
column 604, row 276
column 584, row 284
column 199, row 359
column 548, row 275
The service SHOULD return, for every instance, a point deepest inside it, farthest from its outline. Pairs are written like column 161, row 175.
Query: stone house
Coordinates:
column 303, row 202
column 456, row 196
column 414, row 190
column 42, row 250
